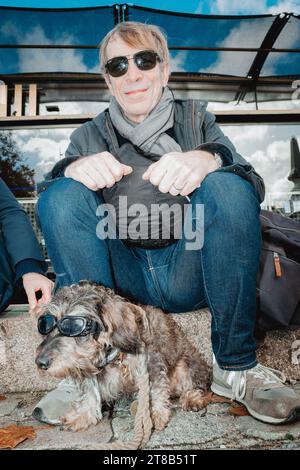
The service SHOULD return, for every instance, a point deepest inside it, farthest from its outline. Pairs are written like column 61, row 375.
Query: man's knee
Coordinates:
column 62, row 200
column 230, row 197
column 226, row 187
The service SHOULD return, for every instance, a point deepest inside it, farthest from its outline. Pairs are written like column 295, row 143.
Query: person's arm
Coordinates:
column 216, row 142
column 22, row 247
column 19, row 237
column 31, row 273
column 28, row 265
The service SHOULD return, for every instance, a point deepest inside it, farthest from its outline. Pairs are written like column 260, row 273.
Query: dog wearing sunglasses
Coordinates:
column 95, row 336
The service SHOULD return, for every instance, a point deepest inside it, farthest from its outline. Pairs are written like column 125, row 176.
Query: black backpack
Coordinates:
column 149, row 197
column 278, row 282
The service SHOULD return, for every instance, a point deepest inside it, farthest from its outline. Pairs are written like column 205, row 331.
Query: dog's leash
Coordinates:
column 143, row 422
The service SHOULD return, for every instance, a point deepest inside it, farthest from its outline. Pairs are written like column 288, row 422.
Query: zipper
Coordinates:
column 277, row 265
column 193, row 125
column 282, row 256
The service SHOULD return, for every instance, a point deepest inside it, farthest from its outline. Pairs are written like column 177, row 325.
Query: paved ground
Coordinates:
column 214, row 428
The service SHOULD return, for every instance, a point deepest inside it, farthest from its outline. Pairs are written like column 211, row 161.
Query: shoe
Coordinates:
column 261, row 390
column 56, row 403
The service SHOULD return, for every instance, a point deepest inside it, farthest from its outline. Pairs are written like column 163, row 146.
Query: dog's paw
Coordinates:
column 160, row 418
column 193, row 400
column 79, row 422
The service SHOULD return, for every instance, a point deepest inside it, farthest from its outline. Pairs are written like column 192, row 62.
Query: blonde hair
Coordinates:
column 137, row 34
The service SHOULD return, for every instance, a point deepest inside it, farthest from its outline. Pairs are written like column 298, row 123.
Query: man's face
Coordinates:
column 138, row 91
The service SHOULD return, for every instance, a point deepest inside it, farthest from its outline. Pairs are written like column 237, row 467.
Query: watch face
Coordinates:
column 218, row 159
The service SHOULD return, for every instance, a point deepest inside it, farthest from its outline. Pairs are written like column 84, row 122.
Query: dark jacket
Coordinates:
column 19, row 248
column 194, row 128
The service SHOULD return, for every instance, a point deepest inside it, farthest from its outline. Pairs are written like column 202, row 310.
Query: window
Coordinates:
column 268, row 149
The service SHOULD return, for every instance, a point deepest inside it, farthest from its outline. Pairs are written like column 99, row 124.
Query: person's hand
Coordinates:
column 34, row 282
column 98, row 171
column 180, row 172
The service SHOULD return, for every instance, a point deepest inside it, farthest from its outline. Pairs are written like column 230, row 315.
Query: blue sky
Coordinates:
column 190, row 6
column 31, row 27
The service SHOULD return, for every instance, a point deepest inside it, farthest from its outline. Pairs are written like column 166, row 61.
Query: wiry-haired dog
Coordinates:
column 95, row 336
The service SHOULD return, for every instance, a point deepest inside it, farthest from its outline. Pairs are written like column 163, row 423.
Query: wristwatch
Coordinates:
column 218, row 159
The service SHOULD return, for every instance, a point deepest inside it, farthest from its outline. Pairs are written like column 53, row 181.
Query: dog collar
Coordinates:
column 115, row 357
column 109, row 358
column 119, row 362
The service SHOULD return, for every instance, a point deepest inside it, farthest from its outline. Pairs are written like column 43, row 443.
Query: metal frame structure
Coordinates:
column 16, row 88
column 33, row 87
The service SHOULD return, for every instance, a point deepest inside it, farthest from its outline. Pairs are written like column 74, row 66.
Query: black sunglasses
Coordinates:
column 144, row 60
column 68, row 326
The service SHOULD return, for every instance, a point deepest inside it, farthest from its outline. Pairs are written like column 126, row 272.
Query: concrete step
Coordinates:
column 213, row 428
column 19, row 339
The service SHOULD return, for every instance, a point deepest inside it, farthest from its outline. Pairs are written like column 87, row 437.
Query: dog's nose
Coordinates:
column 43, row 362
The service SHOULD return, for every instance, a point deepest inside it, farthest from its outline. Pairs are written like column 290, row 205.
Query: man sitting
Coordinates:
column 195, row 160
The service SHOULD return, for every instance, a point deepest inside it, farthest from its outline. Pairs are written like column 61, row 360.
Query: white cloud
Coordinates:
column 288, row 6
column 267, row 148
column 274, row 165
column 249, row 7
column 238, row 7
column 177, row 61
column 251, row 33
column 46, row 60
column 45, row 149
column 55, row 60
column 242, row 138
column 42, row 148
column 246, row 34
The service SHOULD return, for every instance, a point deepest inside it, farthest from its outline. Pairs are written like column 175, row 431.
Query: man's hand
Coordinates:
column 181, row 172
column 98, row 171
column 34, row 282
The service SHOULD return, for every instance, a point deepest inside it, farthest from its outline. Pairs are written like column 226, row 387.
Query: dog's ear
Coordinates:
column 127, row 325
column 142, row 323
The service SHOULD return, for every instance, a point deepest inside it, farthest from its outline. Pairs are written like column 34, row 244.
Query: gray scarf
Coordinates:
column 150, row 134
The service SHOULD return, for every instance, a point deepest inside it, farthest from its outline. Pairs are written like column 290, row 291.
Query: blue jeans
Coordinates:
column 220, row 275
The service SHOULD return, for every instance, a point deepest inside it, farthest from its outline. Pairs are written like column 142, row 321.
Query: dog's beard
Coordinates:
column 68, row 357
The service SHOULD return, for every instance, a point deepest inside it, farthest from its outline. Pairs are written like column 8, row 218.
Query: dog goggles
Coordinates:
column 144, row 60
column 68, row 326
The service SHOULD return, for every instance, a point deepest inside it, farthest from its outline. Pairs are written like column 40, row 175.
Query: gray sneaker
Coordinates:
column 56, row 403
column 261, row 390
